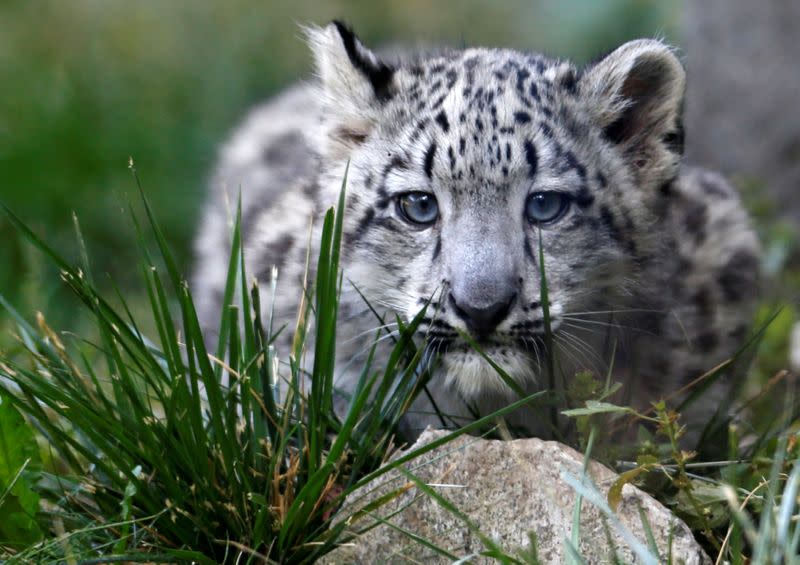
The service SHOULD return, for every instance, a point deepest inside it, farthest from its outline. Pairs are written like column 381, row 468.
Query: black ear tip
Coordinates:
column 349, row 40
column 377, row 72
column 344, row 30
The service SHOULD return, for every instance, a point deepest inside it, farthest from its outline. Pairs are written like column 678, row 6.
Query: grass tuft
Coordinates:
column 165, row 451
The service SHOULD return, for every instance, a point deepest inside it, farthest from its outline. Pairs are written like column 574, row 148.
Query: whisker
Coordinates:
column 371, row 330
column 584, row 344
column 363, row 312
column 575, row 322
column 618, row 311
column 358, row 355
column 568, row 350
column 589, row 355
column 534, row 342
column 590, row 330
column 387, row 304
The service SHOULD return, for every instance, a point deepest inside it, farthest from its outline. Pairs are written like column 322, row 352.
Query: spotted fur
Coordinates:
column 651, row 260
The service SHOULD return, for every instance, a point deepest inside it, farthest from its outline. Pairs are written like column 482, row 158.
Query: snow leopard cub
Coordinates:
column 461, row 162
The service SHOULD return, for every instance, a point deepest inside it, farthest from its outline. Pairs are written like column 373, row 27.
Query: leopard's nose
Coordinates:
column 483, row 319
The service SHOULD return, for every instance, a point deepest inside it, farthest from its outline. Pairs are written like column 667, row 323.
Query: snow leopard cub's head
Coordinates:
column 465, row 163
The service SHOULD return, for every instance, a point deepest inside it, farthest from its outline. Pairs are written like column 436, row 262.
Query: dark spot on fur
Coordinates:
column 584, row 198
column 527, row 324
column 397, row 162
column 386, row 223
column 438, row 102
column 529, row 251
column 607, row 218
column 737, row 278
column 573, row 163
column 280, row 246
column 441, row 119
column 522, row 117
column 217, row 296
column 534, row 92
column 663, row 360
column 616, row 131
column 429, row 155
column 715, row 186
column 707, row 340
column 421, row 126
column 274, row 253
column 695, row 221
column 739, row 333
column 281, row 150
column 531, row 157
column 437, row 249
column 361, row 227
column 674, row 140
column 568, row 81
column 703, row 302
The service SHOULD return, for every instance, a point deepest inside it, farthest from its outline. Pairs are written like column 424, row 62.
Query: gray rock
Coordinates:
column 508, row 489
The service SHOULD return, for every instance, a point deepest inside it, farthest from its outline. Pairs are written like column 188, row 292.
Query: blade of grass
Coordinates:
column 575, row 540
column 548, row 333
column 590, row 492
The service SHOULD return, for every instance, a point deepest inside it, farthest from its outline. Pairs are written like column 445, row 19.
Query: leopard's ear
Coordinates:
column 355, row 83
column 636, row 94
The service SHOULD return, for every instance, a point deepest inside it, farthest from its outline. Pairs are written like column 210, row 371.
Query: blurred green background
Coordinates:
column 88, row 83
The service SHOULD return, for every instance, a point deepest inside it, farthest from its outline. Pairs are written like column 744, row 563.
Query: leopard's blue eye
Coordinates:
column 546, row 207
column 418, row 207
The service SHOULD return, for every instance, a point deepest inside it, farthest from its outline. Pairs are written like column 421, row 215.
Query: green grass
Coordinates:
column 158, row 458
